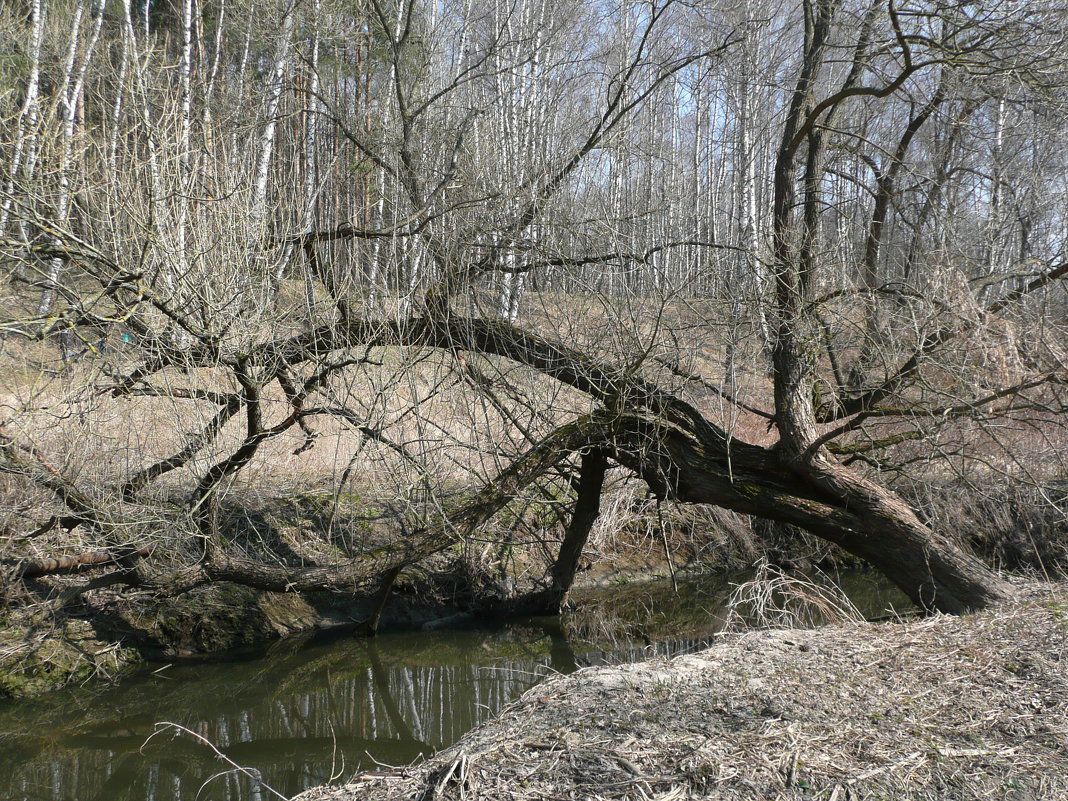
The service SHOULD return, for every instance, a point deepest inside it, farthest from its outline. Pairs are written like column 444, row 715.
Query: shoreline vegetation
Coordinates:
column 109, row 631
column 941, row 707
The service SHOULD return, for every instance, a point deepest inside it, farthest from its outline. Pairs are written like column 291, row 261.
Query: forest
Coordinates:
column 469, row 283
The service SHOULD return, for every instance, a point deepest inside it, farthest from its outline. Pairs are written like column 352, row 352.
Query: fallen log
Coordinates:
column 73, row 563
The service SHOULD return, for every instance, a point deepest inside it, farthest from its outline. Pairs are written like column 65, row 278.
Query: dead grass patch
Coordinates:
column 940, row 708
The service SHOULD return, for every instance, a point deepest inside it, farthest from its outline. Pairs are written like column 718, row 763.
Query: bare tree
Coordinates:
column 511, row 276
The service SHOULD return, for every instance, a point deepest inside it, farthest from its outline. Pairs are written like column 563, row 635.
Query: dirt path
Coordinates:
column 940, row 708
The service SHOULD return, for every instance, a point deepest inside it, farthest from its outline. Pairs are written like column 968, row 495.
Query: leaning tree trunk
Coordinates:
column 820, row 496
column 934, row 572
column 799, row 480
column 587, row 509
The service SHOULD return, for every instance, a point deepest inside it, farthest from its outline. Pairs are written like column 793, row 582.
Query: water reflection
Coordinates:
column 299, row 716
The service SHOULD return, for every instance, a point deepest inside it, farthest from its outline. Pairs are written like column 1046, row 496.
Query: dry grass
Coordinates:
column 941, row 708
column 776, row 599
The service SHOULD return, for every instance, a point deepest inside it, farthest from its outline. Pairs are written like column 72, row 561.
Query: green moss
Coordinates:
column 216, row 618
column 70, row 654
column 748, row 490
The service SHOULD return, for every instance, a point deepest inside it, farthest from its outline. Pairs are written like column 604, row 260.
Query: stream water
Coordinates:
column 304, row 713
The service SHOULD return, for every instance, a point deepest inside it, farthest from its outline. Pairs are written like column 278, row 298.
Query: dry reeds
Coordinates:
column 776, row 599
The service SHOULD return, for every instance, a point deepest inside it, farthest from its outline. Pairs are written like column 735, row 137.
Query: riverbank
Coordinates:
column 943, row 707
column 63, row 629
column 80, row 625
column 111, row 633
column 315, row 707
column 93, row 620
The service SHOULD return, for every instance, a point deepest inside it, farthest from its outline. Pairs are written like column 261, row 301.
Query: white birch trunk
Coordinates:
column 270, row 127
column 185, row 156
column 237, row 153
column 311, row 172
column 213, row 73
column 24, row 154
column 994, row 215
column 70, row 101
column 120, row 96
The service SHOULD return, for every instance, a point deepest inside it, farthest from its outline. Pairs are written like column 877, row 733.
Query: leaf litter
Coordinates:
column 943, row 707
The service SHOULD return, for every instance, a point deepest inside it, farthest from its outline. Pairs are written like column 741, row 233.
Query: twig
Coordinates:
column 162, row 726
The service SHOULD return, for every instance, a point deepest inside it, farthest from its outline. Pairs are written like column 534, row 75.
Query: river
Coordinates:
column 313, row 710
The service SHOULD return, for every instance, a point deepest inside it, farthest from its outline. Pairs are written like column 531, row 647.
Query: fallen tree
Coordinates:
column 666, row 441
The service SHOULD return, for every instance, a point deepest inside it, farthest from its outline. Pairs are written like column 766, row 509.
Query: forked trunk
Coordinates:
column 821, row 496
